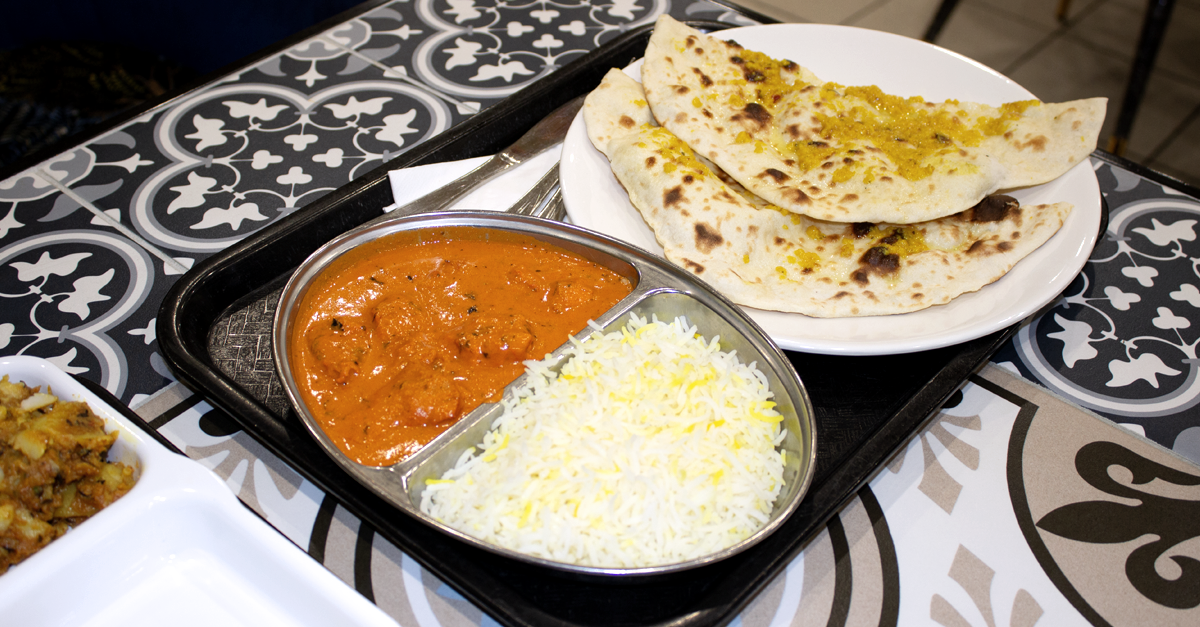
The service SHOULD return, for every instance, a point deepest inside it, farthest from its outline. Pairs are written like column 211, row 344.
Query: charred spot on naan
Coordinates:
column 987, row 246
column 755, row 114
column 774, row 174
column 798, row 196
column 756, row 75
column 877, row 260
column 707, row 237
column 704, row 79
column 673, row 196
column 1038, row 144
column 995, row 208
column 891, row 246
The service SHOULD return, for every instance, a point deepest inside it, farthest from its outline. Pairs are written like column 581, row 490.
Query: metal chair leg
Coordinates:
column 1153, row 28
column 1064, row 7
column 939, row 19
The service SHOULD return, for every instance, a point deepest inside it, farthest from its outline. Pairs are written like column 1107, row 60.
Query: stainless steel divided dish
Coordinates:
column 661, row 289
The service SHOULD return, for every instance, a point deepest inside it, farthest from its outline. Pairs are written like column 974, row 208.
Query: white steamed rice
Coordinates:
column 651, row 447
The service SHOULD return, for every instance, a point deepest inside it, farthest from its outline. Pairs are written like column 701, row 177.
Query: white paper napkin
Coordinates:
column 499, row 194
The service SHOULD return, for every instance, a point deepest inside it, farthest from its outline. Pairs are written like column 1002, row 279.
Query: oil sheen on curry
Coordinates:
column 399, row 338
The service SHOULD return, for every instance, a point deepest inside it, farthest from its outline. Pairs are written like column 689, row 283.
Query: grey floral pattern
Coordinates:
column 1122, row 339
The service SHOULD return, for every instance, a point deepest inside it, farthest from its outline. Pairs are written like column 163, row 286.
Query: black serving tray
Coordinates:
column 866, row 407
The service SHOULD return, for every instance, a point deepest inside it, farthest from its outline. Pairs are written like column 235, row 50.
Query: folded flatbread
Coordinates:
column 852, row 154
column 760, row 255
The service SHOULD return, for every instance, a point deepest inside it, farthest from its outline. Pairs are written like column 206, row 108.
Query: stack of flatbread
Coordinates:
column 789, row 193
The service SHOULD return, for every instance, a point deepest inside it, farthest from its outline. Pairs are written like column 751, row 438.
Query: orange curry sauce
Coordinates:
column 400, row 337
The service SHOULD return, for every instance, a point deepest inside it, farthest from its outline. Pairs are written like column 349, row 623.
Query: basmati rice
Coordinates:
column 650, row 447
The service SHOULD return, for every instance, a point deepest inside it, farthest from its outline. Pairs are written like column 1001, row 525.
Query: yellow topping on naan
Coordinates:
column 857, row 153
column 909, row 131
column 675, row 154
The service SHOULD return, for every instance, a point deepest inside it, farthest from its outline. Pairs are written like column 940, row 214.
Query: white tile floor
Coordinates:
column 1089, row 54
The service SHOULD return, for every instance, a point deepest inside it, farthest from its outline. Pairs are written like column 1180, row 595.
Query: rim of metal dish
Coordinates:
column 655, row 278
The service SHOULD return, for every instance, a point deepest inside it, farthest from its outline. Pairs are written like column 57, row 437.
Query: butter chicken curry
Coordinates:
column 400, row 337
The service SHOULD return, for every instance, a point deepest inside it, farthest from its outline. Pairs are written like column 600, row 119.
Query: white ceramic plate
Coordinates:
column 901, row 66
column 178, row 549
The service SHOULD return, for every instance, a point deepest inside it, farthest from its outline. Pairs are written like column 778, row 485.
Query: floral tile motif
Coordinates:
column 1121, row 341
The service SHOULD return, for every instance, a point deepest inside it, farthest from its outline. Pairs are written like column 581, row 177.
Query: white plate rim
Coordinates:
column 968, row 317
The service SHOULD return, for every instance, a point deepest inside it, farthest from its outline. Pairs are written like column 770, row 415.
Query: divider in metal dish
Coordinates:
column 660, row 288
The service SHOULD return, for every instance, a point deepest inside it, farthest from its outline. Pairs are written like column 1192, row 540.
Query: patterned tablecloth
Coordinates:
column 1020, row 502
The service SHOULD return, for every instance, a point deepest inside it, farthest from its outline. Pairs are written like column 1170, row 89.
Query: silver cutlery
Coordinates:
column 543, row 200
column 547, row 133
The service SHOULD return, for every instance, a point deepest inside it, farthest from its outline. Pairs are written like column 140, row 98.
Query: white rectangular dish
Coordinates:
column 178, row 549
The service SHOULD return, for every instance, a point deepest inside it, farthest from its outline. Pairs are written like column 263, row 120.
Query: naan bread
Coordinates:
column 761, row 256
column 852, row 154
column 616, row 107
